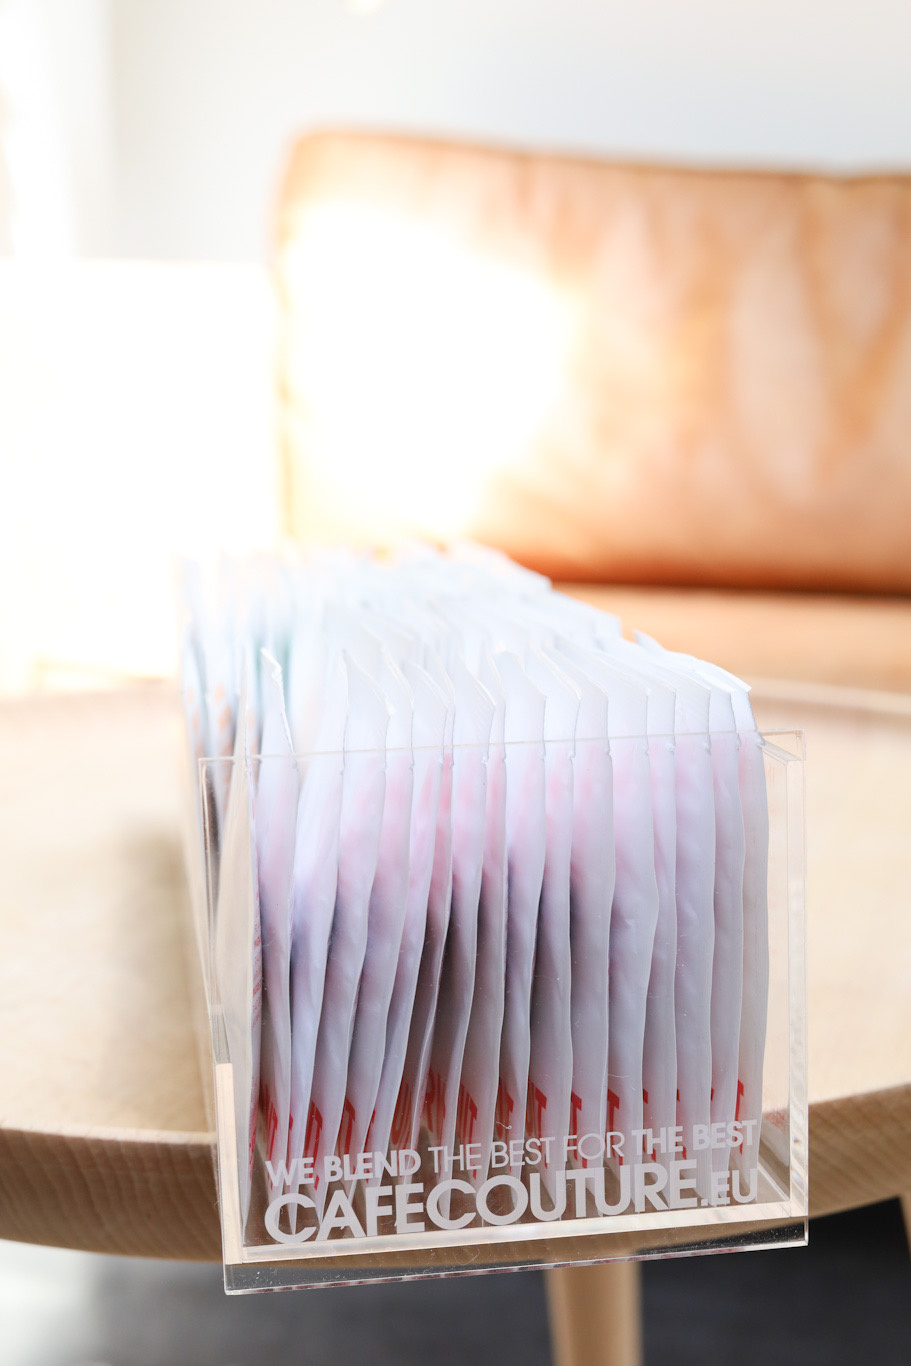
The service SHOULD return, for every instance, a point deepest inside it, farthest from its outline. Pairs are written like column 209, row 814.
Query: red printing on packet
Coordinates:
column 505, row 1107
column 402, row 1116
column 613, row 1105
column 435, row 1102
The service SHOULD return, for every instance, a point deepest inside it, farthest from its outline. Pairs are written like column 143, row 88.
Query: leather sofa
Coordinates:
column 686, row 394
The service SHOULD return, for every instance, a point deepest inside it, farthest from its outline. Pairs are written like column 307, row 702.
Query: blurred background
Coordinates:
column 142, row 145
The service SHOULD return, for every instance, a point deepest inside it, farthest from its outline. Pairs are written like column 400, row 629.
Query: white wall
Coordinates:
column 136, row 404
column 209, row 93
column 56, row 128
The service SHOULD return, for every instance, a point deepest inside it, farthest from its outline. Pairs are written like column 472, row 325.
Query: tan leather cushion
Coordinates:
column 615, row 373
column 812, row 637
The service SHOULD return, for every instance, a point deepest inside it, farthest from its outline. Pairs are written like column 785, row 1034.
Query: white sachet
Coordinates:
column 755, row 1004
column 563, row 618
column 755, row 976
column 474, row 714
column 634, row 912
column 525, row 838
column 193, row 697
column 659, row 1044
column 394, row 1110
column 221, row 719
column 494, row 568
column 695, row 791
column 416, row 1071
column 277, row 792
column 550, row 1067
column 271, row 612
column 591, row 895
column 248, row 666
column 313, row 893
column 741, row 917
column 387, row 620
column 306, row 677
column 238, row 961
column 727, row 958
column 480, row 1065
column 386, row 916
column 363, row 790
column 659, row 1049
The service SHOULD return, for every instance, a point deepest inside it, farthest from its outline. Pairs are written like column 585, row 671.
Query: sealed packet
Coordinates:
column 754, row 1006
column 193, row 698
column 277, row 793
column 221, row 720
column 238, row 960
column 592, row 877
column 385, row 917
column 727, row 959
column 394, row 1109
column 525, row 840
column 659, row 1049
column 360, row 824
column 696, row 823
column 416, row 1071
column 659, row 1044
column 550, row 1067
column 634, row 911
column 480, row 1065
column 313, row 894
column 741, row 963
column 474, row 714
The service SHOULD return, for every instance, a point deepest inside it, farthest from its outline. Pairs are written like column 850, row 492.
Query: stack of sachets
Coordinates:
column 489, row 893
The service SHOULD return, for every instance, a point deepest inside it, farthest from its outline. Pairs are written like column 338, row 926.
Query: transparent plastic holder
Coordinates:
column 415, row 1212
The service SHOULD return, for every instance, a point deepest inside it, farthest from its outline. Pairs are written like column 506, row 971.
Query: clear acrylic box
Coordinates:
column 410, row 1213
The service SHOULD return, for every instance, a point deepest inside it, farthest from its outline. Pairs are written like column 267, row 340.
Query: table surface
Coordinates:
column 104, row 1140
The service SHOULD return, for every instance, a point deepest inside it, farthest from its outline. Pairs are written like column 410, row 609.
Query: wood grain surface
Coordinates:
column 104, row 1137
column 104, row 1140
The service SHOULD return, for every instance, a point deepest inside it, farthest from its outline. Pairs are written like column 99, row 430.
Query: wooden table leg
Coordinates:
column 595, row 1315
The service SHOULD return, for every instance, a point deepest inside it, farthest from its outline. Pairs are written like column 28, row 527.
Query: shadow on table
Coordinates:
column 845, row 1299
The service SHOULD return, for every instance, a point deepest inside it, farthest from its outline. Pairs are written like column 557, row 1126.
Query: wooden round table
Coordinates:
column 104, row 1140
